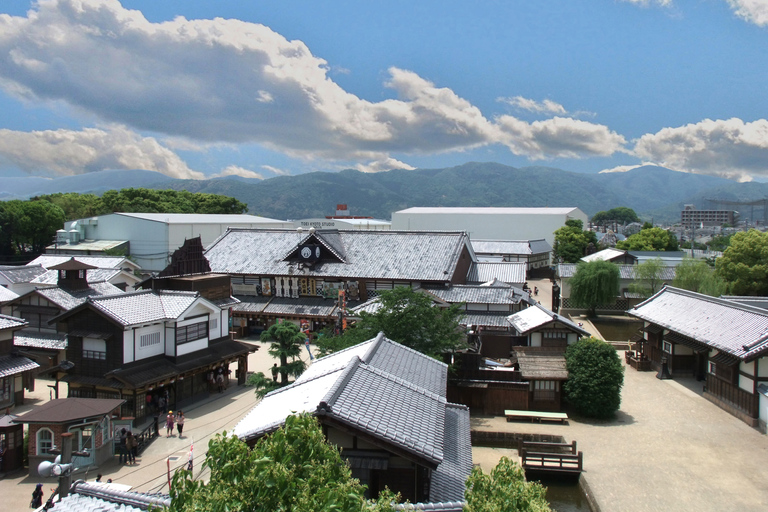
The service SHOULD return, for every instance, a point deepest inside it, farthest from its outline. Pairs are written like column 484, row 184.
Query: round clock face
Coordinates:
column 317, row 252
column 306, row 252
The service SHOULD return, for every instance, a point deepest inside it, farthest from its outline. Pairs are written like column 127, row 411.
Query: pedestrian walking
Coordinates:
column 180, row 422
column 37, row 497
column 132, row 445
column 122, row 449
column 220, row 382
column 274, row 372
column 169, row 424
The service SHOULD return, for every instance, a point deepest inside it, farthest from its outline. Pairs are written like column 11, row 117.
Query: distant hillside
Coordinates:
column 653, row 192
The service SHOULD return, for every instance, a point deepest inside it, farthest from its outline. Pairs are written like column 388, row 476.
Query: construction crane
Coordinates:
column 758, row 202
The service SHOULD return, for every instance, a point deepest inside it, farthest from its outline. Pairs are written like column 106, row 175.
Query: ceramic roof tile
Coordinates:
column 12, row 365
column 449, row 479
column 478, row 294
column 485, row 319
column 70, row 299
column 537, row 315
column 7, row 295
column 145, row 306
column 420, row 256
column 98, row 497
column 11, row 322
column 113, row 262
column 51, row 277
column 524, row 247
column 37, row 339
column 20, row 273
column 734, row 328
column 626, row 271
column 512, row 272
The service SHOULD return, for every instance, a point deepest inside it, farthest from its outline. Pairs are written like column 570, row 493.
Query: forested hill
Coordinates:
column 650, row 191
column 473, row 184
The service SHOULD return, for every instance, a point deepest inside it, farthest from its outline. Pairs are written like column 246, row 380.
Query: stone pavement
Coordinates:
column 668, row 449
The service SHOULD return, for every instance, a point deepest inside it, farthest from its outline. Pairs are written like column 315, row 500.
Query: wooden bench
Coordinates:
column 536, row 415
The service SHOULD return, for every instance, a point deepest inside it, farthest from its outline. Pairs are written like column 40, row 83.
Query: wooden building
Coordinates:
column 384, row 405
column 722, row 342
column 16, row 369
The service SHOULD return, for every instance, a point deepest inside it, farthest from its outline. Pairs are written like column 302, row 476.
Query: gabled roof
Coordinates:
column 64, row 410
column 20, row 273
column 396, row 255
column 146, row 306
column 72, row 264
column 512, row 272
column 737, row 329
column 36, row 339
column 538, row 363
column 12, row 365
column 113, row 262
column 605, row 255
column 626, row 271
column 199, row 218
column 479, row 294
column 7, row 295
column 524, row 247
column 99, row 497
column 536, row 316
column 51, row 277
column 69, row 299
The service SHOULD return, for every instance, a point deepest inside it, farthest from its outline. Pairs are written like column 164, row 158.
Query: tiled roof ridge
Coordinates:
column 377, row 341
column 405, row 383
column 303, row 382
column 143, row 501
column 326, row 404
column 413, row 351
column 707, row 298
column 460, row 407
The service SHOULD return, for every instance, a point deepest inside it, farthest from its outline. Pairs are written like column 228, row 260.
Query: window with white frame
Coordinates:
column 667, row 347
column 191, row 332
column 712, row 368
column 545, row 389
column 44, row 441
column 150, row 339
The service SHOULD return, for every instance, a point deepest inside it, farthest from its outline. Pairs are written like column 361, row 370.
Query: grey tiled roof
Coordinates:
column 113, row 262
column 486, row 319
column 604, row 255
column 20, row 273
column 97, row 497
column 449, row 479
column 366, row 397
column 37, row 339
column 629, row 272
column 145, row 306
column 93, row 275
column 309, row 307
column 536, row 316
column 397, row 255
column 251, row 303
column 70, row 299
column 478, row 294
column 12, row 365
column 63, row 410
column 11, row 322
column 737, row 329
column 7, row 295
column 756, row 302
column 505, row 272
column 522, row 247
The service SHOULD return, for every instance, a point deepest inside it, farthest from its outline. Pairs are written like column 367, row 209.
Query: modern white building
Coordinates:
column 151, row 238
column 489, row 223
column 348, row 223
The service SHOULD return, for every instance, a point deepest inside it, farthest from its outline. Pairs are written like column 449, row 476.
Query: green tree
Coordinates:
column 648, row 277
column 287, row 343
column 293, row 469
column 571, row 241
column 28, row 227
column 744, row 265
column 408, row 317
column 76, row 206
column 505, row 488
column 698, row 276
column 720, row 242
column 650, row 239
column 620, row 215
column 595, row 378
column 594, row 283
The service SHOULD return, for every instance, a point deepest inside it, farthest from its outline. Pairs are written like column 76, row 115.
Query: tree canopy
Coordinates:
column 287, row 342
column 698, row 276
column 594, row 283
column 744, row 265
column 505, row 488
column 595, row 378
column 294, row 469
column 408, row 317
column 620, row 215
column 650, row 239
column 28, row 227
column 571, row 241
column 143, row 200
column 648, row 277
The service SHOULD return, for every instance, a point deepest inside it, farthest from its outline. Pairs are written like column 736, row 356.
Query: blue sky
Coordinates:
column 197, row 89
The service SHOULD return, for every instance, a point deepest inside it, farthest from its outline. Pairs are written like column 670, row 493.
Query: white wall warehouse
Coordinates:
column 489, row 223
column 154, row 236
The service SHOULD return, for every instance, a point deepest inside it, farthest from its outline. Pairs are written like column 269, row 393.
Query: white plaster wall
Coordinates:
column 762, row 367
column 132, row 343
column 746, row 384
column 747, row 367
column 192, row 346
column 536, row 339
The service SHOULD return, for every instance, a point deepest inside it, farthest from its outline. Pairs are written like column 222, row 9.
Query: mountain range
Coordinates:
column 653, row 192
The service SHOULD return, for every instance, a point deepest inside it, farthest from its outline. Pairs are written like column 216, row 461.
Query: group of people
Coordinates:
column 128, row 446
column 174, row 419
column 218, row 380
column 158, row 402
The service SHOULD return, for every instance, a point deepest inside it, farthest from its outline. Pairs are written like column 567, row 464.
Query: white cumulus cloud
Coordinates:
column 646, row 3
column 70, row 152
column 228, row 81
column 234, row 170
column 729, row 148
column 539, row 107
column 275, row 170
column 752, row 11
column 387, row 164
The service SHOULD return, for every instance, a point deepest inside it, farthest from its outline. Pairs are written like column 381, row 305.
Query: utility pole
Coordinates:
column 65, row 480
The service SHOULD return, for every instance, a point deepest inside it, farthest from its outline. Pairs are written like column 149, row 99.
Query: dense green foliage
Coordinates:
column 595, row 378
column 720, row 242
column 621, row 215
column 287, row 344
column 504, row 489
column 28, row 227
column 698, row 276
column 143, row 200
column 293, row 469
column 594, row 283
column 408, row 317
column 744, row 265
column 650, row 239
column 648, row 277
column 571, row 241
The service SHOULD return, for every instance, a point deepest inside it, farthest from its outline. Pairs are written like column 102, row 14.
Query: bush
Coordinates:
column 595, row 377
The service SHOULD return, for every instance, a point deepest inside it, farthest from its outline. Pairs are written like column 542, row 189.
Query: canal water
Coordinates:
column 565, row 496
